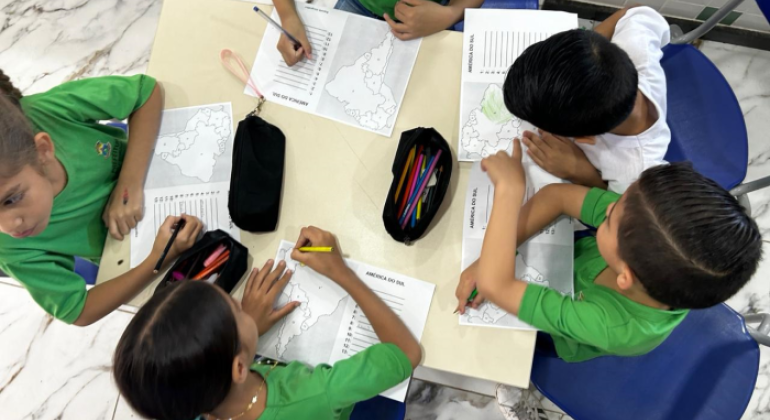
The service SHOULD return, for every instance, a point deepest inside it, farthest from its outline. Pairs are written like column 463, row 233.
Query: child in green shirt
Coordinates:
column 190, row 350
column 674, row 241
column 66, row 180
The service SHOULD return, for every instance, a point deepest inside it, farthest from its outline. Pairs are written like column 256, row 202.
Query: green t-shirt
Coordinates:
column 297, row 392
column 600, row 321
column 92, row 155
column 380, row 7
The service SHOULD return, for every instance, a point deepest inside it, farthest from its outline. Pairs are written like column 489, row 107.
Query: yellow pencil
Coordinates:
column 409, row 160
column 316, row 249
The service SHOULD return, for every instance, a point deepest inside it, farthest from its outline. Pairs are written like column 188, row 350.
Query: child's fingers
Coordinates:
column 273, row 276
column 250, row 282
column 259, row 278
column 533, row 149
column 113, row 228
column 478, row 300
column 279, row 285
column 517, row 149
column 283, row 311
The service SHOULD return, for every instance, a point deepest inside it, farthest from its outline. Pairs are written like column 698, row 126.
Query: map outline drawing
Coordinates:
column 488, row 127
column 328, row 298
column 373, row 67
column 192, row 146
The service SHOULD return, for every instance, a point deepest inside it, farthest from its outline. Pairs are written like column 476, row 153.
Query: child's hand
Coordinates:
column 286, row 46
column 120, row 218
column 419, row 18
column 504, row 169
column 557, row 155
column 330, row 264
column 184, row 240
column 466, row 286
column 261, row 292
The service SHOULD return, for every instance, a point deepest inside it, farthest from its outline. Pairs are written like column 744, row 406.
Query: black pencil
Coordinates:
column 177, row 227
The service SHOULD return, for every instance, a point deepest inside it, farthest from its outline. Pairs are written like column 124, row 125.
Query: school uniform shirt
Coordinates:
column 380, row 7
column 298, row 392
column 92, row 155
column 599, row 321
column 641, row 33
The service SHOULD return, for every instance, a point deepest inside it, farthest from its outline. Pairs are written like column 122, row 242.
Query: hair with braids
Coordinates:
column 686, row 239
column 17, row 145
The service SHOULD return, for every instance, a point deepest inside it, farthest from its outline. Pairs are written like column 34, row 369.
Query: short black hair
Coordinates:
column 174, row 360
column 686, row 239
column 575, row 83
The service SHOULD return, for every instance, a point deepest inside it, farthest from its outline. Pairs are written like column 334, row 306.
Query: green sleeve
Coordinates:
column 53, row 284
column 556, row 314
column 94, row 99
column 594, row 209
column 365, row 375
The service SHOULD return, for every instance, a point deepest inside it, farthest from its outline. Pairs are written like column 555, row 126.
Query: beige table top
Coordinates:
column 337, row 176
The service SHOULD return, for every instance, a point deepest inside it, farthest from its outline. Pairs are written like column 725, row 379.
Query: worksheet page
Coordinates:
column 492, row 40
column 328, row 326
column 189, row 173
column 357, row 75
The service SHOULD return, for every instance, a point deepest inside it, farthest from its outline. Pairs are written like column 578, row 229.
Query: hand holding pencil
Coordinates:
column 166, row 250
column 318, row 250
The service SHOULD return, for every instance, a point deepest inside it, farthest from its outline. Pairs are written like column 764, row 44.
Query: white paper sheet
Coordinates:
column 329, row 326
column 189, row 173
column 545, row 259
column 358, row 73
column 492, row 40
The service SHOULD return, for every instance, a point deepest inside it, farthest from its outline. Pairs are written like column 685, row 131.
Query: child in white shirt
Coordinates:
column 604, row 88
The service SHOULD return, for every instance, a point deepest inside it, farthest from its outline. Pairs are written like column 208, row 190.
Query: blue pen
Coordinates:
column 297, row 45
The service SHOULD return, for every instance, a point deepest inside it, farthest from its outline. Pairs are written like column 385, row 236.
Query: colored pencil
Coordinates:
column 413, row 196
column 413, row 178
column 210, row 269
column 403, row 173
column 316, row 248
column 421, row 188
column 409, row 178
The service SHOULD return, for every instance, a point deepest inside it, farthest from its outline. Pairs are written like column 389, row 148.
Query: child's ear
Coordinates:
column 45, row 147
column 240, row 370
column 625, row 278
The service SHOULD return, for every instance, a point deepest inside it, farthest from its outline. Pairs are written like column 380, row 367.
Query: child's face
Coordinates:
column 26, row 200
column 247, row 328
column 607, row 234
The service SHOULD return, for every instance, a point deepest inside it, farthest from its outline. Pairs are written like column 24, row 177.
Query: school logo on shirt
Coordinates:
column 104, row 149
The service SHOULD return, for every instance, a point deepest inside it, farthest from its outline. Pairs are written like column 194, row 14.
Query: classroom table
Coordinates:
column 337, row 176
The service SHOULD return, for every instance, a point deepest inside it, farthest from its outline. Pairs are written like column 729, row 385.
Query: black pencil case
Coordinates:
column 191, row 261
column 394, row 209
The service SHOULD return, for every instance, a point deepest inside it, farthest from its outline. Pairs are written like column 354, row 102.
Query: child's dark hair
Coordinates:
column 575, row 83
column 174, row 360
column 686, row 239
column 17, row 145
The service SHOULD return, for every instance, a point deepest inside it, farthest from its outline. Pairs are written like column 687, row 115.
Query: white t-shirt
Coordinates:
column 641, row 33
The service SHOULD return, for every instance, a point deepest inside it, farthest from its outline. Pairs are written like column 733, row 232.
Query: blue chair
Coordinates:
column 499, row 4
column 379, row 408
column 707, row 368
column 87, row 270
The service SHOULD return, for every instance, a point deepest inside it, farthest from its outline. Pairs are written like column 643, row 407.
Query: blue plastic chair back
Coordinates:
column 500, row 4
column 707, row 125
column 705, row 370
column 87, row 270
column 379, row 408
column 764, row 6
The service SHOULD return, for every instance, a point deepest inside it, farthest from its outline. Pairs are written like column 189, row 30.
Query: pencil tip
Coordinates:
column 154, row 271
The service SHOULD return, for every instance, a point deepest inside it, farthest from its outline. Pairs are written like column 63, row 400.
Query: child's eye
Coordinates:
column 13, row 200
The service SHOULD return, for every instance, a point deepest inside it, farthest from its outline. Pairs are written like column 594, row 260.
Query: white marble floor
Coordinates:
column 54, row 371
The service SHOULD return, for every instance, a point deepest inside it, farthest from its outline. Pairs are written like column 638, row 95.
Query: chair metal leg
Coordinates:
column 707, row 25
column 760, row 333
